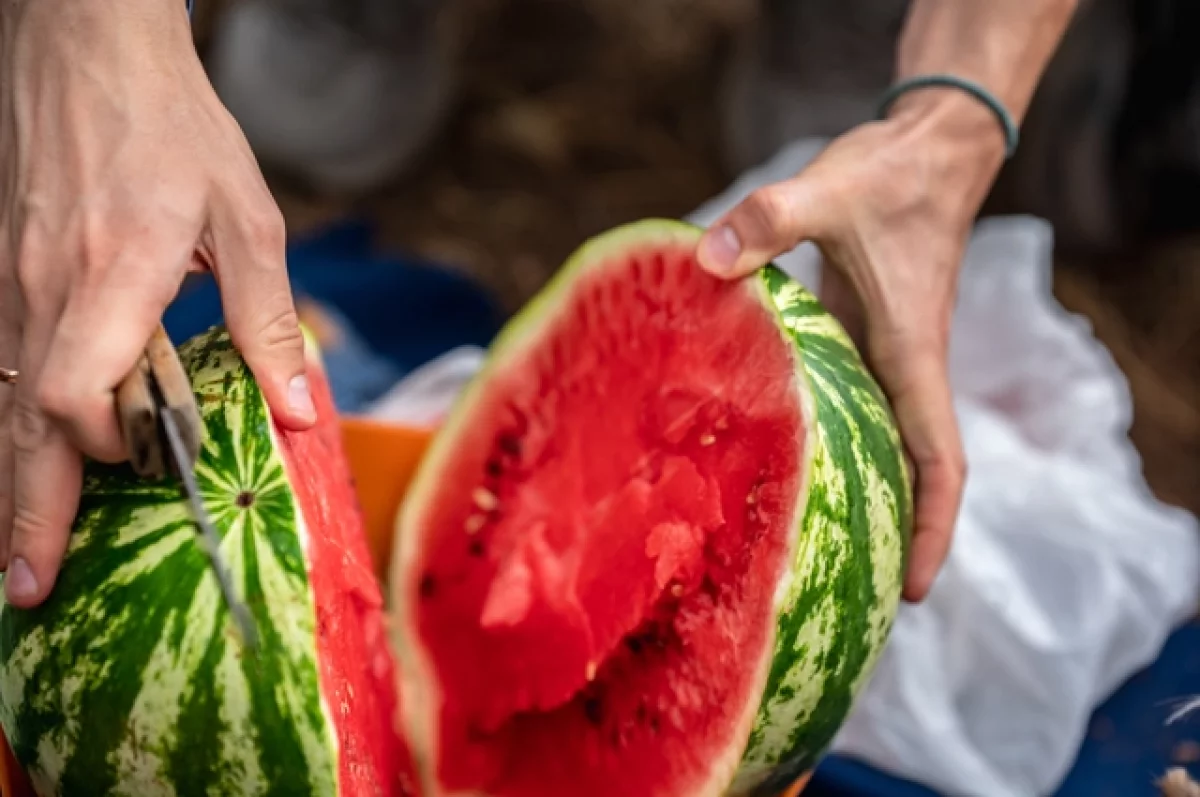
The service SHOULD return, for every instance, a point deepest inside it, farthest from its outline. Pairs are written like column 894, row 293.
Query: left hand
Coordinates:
column 890, row 204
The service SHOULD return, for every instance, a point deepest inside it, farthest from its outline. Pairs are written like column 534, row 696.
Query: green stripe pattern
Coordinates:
column 131, row 679
column 843, row 588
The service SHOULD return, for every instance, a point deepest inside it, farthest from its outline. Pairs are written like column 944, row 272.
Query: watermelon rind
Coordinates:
column 837, row 598
column 131, row 679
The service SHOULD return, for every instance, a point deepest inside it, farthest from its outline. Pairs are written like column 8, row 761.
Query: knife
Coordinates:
column 163, row 432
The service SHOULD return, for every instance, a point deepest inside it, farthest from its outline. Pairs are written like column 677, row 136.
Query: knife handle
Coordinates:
column 157, row 384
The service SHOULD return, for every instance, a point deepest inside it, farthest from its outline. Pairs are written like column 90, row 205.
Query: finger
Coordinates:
column 915, row 378
column 249, row 264
column 770, row 221
column 48, row 476
column 95, row 345
column 9, row 355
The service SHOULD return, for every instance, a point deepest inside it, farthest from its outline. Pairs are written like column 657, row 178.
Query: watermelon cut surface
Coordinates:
column 131, row 679
column 657, row 547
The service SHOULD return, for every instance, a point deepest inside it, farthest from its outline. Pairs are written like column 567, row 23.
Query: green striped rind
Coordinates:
column 130, row 679
column 843, row 589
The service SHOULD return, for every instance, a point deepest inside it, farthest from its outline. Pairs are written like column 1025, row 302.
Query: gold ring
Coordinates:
column 8, row 377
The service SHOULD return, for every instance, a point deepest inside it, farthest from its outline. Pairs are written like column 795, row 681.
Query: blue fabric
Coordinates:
column 405, row 312
column 1129, row 745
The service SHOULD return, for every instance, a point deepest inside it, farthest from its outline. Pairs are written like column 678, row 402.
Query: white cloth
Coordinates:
column 1065, row 576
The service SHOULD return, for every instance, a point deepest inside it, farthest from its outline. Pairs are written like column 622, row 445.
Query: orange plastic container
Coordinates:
column 383, row 459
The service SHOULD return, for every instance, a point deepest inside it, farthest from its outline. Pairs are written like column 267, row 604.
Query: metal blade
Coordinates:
column 208, row 535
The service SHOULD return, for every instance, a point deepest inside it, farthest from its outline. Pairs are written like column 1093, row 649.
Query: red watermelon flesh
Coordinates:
column 356, row 667
column 597, row 555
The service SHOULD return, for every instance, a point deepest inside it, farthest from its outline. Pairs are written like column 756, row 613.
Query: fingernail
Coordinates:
column 300, row 398
column 19, row 582
column 723, row 248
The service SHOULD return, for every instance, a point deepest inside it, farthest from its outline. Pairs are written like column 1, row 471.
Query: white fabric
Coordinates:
column 1065, row 576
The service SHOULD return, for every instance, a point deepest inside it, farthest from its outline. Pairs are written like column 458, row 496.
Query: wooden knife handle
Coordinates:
column 157, row 383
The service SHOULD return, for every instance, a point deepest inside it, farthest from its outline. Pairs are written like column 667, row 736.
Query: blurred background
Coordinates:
column 493, row 136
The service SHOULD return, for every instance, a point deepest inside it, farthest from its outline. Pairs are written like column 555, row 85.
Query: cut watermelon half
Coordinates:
column 130, row 678
column 658, row 545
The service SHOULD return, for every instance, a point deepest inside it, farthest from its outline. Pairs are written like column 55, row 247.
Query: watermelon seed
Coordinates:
column 634, row 644
column 510, row 445
column 707, row 439
column 591, row 671
column 494, row 468
column 485, row 499
column 752, row 497
column 641, row 712
column 245, row 499
column 591, row 709
column 474, row 523
column 475, row 548
column 427, row 586
column 677, row 590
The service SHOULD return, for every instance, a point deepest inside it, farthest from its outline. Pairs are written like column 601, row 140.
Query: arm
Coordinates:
column 1004, row 47
column 891, row 205
column 121, row 172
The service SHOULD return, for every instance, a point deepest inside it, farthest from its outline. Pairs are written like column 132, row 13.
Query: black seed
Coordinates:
column 494, row 468
column 427, row 586
column 634, row 644
column 245, row 499
column 654, row 724
column 510, row 445
column 591, row 710
column 475, row 548
column 641, row 713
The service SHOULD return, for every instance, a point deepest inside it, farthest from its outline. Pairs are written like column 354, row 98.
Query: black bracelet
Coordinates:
column 1011, row 134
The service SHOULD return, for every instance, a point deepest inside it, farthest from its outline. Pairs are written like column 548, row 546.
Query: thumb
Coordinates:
column 770, row 221
column 250, row 267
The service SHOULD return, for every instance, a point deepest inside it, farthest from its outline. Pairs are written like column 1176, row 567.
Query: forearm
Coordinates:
column 1002, row 45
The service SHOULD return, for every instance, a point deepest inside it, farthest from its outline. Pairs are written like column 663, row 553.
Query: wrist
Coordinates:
column 955, row 136
column 1003, row 47
column 88, row 19
column 114, row 41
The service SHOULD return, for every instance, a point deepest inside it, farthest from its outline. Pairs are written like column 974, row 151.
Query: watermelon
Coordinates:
column 657, row 546
column 131, row 679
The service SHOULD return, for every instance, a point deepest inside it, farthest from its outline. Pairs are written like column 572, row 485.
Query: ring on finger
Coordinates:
column 8, row 376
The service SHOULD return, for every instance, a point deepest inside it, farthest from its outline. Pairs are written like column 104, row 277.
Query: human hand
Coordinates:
column 121, row 171
column 890, row 204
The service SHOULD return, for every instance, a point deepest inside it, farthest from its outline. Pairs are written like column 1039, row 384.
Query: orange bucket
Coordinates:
column 383, row 458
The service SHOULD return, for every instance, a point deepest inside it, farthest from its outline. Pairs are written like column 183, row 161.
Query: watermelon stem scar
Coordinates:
column 623, row 568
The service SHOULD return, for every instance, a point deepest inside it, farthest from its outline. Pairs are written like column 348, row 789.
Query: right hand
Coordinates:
column 121, row 171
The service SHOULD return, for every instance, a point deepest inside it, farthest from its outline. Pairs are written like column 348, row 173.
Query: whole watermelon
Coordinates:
column 131, row 680
column 658, row 546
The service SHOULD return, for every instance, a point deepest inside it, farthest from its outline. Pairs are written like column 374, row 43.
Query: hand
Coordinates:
column 890, row 205
column 120, row 171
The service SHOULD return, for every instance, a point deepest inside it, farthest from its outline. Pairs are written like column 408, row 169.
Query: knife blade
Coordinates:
column 163, row 432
